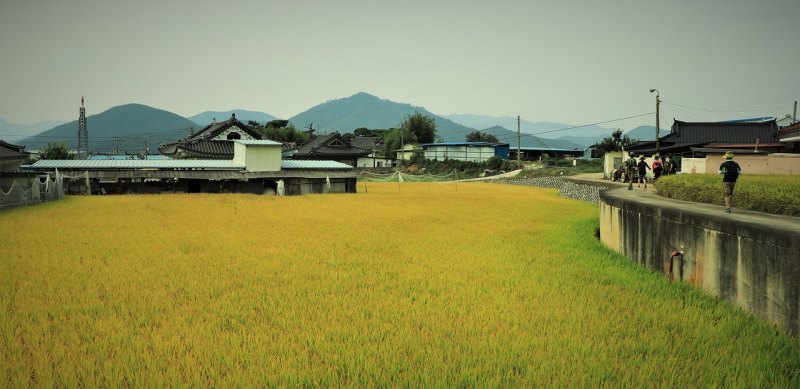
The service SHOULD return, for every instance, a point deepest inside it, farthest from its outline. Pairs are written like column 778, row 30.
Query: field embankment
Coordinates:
column 435, row 284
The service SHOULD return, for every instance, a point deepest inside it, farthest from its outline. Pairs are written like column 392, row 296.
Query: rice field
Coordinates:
column 413, row 284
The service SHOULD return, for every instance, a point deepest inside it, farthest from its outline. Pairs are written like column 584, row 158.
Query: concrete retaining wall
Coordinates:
column 749, row 259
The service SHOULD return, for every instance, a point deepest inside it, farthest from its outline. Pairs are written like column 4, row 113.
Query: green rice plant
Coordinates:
column 774, row 194
column 414, row 284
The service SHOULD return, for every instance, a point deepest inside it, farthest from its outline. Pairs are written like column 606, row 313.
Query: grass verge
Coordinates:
column 773, row 194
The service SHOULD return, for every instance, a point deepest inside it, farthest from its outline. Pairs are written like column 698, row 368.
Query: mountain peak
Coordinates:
column 364, row 110
column 364, row 95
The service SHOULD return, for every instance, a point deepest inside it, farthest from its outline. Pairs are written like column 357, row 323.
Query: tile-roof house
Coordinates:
column 334, row 147
column 368, row 143
column 790, row 135
column 215, row 141
column 686, row 136
column 12, row 156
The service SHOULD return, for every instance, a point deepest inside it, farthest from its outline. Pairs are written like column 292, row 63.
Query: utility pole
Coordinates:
column 658, row 103
column 402, row 152
column 519, row 158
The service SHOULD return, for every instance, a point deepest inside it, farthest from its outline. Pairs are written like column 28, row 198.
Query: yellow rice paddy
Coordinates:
column 404, row 285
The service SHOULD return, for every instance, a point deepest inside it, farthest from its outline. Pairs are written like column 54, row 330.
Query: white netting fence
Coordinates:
column 76, row 184
column 406, row 177
column 32, row 189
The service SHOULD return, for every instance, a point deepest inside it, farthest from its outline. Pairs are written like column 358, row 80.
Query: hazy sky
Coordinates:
column 565, row 61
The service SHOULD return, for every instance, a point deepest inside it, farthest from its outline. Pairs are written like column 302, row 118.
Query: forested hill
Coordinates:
column 204, row 118
column 368, row 111
column 125, row 127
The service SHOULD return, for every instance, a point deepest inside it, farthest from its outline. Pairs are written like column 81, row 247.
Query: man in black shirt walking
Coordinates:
column 730, row 172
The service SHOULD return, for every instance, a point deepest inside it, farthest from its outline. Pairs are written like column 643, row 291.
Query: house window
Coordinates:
column 234, row 136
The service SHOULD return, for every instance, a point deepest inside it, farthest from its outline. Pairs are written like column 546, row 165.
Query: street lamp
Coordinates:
column 658, row 102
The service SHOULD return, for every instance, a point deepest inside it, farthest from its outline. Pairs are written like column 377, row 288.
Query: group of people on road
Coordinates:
column 637, row 171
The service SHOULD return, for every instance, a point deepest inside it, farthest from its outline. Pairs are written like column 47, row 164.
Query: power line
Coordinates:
column 573, row 127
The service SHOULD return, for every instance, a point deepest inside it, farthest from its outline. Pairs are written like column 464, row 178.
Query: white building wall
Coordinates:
column 693, row 165
column 461, row 153
column 611, row 161
column 373, row 162
column 259, row 158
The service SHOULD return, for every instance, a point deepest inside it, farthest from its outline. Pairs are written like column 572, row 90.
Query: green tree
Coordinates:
column 478, row 136
column 363, row 131
column 392, row 140
column 55, row 150
column 282, row 131
column 423, row 126
column 279, row 123
column 615, row 142
column 494, row 163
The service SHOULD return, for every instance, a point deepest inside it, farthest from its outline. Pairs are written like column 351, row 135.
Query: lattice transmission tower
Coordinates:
column 83, row 134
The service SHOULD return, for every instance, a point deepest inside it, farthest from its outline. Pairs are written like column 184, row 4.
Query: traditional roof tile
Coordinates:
column 717, row 132
column 330, row 146
column 203, row 145
column 12, row 151
column 687, row 135
column 212, row 130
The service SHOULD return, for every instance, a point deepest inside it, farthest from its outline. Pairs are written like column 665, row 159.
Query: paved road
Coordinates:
column 715, row 211
column 510, row 174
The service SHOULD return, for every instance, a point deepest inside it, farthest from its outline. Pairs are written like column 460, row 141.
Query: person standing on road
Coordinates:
column 658, row 168
column 643, row 168
column 671, row 166
column 730, row 173
column 630, row 169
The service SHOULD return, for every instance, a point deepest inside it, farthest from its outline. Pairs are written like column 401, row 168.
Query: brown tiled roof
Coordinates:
column 789, row 131
column 11, row 151
column 367, row 142
column 330, row 146
column 210, row 149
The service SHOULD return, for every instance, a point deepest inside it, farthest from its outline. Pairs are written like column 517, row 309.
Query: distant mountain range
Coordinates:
column 646, row 133
column 12, row 132
column 204, row 118
column 505, row 135
column 365, row 110
column 127, row 127
column 583, row 135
